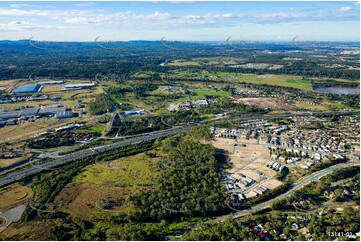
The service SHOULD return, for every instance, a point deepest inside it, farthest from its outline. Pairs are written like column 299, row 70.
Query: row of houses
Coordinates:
column 334, row 137
column 228, row 133
column 277, row 166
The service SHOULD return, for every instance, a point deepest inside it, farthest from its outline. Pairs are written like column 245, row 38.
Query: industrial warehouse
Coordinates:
column 8, row 117
column 37, row 87
column 30, row 88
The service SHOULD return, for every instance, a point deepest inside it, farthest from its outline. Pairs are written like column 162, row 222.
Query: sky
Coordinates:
column 180, row 21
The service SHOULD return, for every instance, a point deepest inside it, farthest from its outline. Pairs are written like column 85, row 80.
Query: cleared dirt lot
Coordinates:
column 250, row 161
column 272, row 183
column 8, row 85
column 264, row 102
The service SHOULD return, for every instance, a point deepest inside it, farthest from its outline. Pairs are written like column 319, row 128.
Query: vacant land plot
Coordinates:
column 8, row 85
column 219, row 60
column 107, row 183
column 322, row 106
column 7, row 162
column 250, row 161
column 14, row 195
column 86, row 200
column 31, row 128
column 272, row 183
column 278, row 80
column 183, row 63
column 264, row 102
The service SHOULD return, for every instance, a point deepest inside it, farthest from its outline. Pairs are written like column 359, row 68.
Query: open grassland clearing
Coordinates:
column 14, row 195
column 34, row 230
column 183, row 63
column 77, row 96
column 88, row 201
column 130, row 171
column 107, row 182
column 220, row 60
column 65, row 103
column 322, row 106
column 7, row 162
column 268, row 79
column 8, row 85
column 25, row 128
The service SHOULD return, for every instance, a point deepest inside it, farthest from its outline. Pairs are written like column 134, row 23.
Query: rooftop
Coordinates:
column 27, row 88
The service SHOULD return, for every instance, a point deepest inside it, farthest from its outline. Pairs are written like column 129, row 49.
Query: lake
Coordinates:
column 339, row 90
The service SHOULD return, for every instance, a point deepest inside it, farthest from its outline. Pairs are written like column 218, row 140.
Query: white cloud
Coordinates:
column 24, row 25
column 84, row 4
column 25, row 5
column 167, row 20
column 344, row 9
column 86, row 20
column 19, row 5
column 42, row 13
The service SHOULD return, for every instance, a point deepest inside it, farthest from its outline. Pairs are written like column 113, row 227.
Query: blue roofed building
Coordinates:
column 29, row 88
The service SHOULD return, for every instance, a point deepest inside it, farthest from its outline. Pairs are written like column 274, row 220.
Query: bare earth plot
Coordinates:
column 8, row 85
column 264, row 102
column 250, row 161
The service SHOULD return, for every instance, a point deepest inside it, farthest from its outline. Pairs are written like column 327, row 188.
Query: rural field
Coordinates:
column 13, row 196
column 107, row 183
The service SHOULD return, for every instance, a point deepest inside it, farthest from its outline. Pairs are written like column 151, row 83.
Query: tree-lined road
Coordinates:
column 296, row 186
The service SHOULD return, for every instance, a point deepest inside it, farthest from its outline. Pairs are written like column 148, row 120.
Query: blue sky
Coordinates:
column 84, row 21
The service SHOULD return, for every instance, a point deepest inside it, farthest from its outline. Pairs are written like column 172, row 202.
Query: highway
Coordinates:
column 8, row 179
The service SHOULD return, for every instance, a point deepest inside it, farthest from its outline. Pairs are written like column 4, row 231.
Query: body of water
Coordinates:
column 339, row 90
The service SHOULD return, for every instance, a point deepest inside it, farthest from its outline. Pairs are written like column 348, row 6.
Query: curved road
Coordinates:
column 296, row 186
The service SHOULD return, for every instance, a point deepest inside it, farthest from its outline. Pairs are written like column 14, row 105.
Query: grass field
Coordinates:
column 183, row 63
column 127, row 171
column 26, row 128
column 7, row 85
column 7, row 162
column 215, row 61
column 93, row 129
column 111, row 181
column 323, row 106
column 267, row 79
column 13, row 195
column 278, row 80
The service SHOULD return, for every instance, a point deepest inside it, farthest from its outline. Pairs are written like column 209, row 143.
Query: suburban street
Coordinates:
column 296, row 186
